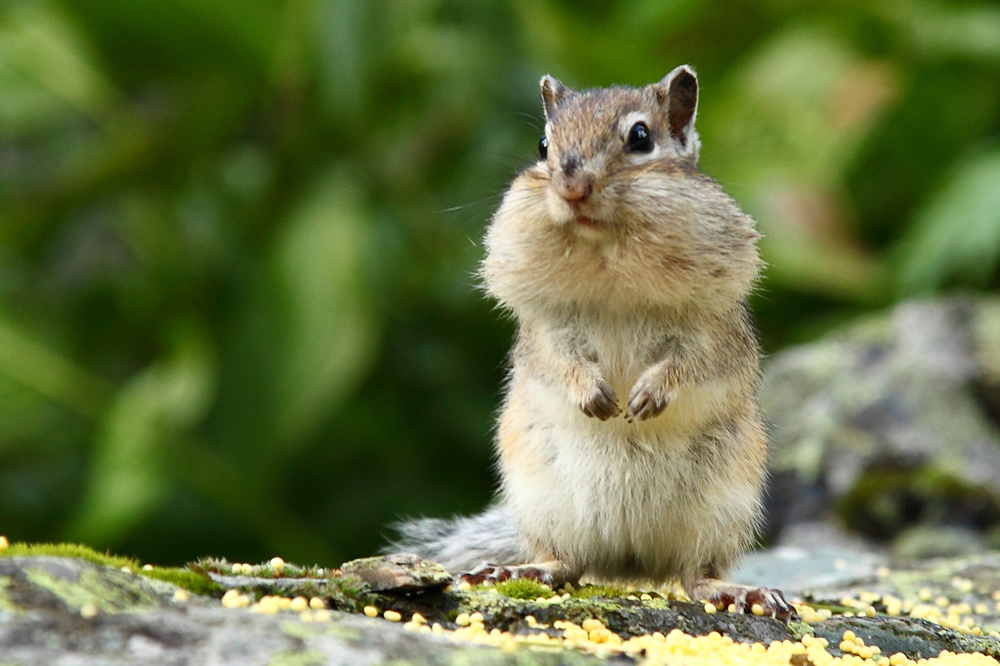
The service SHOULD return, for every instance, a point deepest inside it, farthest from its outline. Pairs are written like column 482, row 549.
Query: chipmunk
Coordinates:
column 630, row 441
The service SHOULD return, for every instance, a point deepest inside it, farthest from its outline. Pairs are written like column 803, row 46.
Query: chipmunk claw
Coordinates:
column 645, row 403
column 602, row 404
column 772, row 602
column 490, row 574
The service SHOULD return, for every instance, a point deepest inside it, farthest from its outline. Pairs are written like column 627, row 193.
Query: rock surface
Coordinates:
column 63, row 612
column 891, row 427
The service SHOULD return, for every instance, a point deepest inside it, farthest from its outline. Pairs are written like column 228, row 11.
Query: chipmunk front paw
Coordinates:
column 601, row 403
column 647, row 399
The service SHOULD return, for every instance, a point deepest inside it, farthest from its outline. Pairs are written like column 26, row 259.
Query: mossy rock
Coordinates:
column 53, row 606
column 891, row 424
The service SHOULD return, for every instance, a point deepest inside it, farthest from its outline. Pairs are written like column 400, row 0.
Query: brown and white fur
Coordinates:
column 630, row 442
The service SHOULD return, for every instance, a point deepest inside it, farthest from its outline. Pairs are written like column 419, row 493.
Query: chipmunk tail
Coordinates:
column 460, row 544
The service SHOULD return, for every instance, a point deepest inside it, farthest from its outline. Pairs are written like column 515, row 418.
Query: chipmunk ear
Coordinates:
column 553, row 92
column 678, row 95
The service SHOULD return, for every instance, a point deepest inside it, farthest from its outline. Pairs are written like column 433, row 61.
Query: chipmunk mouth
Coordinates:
column 586, row 221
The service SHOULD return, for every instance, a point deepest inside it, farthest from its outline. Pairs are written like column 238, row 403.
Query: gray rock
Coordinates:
column 398, row 572
column 67, row 612
column 890, row 423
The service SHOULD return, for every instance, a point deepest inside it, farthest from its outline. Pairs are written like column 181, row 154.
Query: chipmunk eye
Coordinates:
column 640, row 139
column 543, row 147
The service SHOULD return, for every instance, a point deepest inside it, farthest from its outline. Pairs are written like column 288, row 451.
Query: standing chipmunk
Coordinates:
column 630, row 441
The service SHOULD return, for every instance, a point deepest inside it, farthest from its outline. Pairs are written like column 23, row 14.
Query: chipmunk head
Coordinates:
column 595, row 140
column 615, row 210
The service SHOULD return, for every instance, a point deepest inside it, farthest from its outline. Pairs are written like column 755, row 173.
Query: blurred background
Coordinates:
column 237, row 316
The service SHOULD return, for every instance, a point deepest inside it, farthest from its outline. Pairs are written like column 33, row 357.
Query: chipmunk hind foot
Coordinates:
column 743, row 598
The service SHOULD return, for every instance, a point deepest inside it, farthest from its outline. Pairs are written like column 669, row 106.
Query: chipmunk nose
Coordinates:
column 573, row 183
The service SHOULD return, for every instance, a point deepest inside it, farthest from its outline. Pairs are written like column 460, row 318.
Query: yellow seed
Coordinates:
column 147, row 567
column 757, row 609
column 392, row 616
column 88, row 611
column 847, row 646
column 464, row 585
column 865, row 652
column 181, row 596
column 646, row 597
column 462, row 620
column 849, row 635
column 231, row 599
column 941, row 601
column 371, row 611
column 4, row 543
column 710, row 608
column 924, row 594
column 283, row 603
column 476, row 617
column 317, row 604
column 870, row 611
column 306, row 616
column 277, row 563
column 267, row 606
column 322, row 616
column 591, row 624
column 731, row 608
column 299, row 604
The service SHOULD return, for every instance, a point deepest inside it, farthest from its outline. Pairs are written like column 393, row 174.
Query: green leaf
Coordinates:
column 34, row 366
column 956, row 235
column 947, row 29
column 332, row 333
column 128, row 478
column 47, row 70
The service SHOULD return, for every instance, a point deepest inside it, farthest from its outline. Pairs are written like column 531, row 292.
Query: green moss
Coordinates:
column 107, row 594
column 220, row 565
column 5, row 602
column 297, row 629
column 185, row 578
column 799, row 629
column 588, row 591
column 523, row 588
column 310, row 658
column 880, row 498
column 71, row 550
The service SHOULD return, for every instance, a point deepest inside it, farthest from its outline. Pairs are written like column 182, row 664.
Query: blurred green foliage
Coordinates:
column 237, row 315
